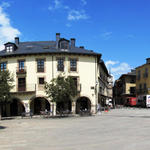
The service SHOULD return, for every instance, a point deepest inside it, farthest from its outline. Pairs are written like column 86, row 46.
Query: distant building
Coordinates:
column 125, row 87
column 143, row 82
column 110, row 89
column 33, row 63
column 105, row 85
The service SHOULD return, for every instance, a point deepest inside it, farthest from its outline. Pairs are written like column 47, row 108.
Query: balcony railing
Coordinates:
column 73, row 68
column 141, row 91
column 24, row 88
column 40, row 69
column 20, row 70
column 21, row 88
column 33, row 88
column 60, row 68
column 145, row 75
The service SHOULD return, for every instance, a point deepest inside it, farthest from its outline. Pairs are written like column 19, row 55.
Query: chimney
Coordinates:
column 148, row 60
column 82, row 47
column 73, row 40
column 17, row 40
column 57, row 39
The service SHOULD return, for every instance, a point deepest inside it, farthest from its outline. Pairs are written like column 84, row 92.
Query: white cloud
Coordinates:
column 117, row 68
column 84, row 2
column 1, row 46
column 106, row 35
column 122, row 68
column 72, row 14
column 56, row 4
column 68, row 25
column 7, row 32
column 77, row 15
column 4, row 20
column 110, row 62
column 5, row 4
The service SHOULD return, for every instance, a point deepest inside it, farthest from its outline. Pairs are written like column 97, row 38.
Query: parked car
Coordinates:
column 131, row 101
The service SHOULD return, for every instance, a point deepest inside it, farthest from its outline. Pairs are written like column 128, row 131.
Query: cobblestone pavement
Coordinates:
column 120, row 129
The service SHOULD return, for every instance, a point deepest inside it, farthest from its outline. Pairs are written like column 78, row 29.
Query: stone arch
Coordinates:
column 83, row 103
column 38, row 104
column 14, row 108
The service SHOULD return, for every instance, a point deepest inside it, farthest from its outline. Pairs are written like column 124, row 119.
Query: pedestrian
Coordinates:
column 98, row 109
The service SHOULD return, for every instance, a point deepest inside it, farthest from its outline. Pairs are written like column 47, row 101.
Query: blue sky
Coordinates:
column 119, row 29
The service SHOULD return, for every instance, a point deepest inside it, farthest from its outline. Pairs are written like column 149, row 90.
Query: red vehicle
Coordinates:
column 131, row 101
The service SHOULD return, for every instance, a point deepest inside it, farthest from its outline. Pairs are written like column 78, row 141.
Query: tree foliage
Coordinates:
column 61, row 89
column 6, row 84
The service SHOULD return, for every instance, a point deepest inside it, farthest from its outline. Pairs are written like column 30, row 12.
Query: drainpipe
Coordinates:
column 35, row 88
column 96, row 83
column 52, row 68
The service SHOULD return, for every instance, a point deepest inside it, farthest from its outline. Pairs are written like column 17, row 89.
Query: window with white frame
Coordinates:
column 9, row 48
column 60, row 64
column 3, row 66
column 73, row 64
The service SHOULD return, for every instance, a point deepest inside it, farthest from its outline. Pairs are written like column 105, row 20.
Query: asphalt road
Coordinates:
column 120, row 129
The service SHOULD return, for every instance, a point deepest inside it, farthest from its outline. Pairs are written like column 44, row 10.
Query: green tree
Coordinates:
column 61, row 89
column 6, row 84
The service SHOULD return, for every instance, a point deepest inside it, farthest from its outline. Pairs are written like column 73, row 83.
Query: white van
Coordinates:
column 144, row 101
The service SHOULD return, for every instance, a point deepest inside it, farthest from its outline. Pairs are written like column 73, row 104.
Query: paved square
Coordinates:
column 120, row 129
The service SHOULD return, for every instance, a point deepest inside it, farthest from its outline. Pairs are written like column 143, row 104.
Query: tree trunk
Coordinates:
column 52, row 110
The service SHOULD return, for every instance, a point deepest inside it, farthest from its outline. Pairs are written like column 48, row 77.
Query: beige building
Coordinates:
column 125, row 87
column 33, row 63
column 143, row 83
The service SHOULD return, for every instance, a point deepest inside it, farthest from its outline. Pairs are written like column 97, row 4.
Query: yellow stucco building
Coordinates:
column 143, row 83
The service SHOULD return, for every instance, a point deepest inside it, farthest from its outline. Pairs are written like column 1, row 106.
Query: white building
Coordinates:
column 32, row 63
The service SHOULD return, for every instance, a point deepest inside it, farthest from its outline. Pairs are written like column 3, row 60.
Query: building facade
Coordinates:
column 143, row 82
column 125, row 87
column 33, row 63
column 105, row 94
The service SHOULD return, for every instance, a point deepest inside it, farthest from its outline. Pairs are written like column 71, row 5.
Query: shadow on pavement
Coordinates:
column 8, row 118
column 2, row 127
column 129, row 116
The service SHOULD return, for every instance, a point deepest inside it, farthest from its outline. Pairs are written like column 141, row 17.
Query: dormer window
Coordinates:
column 63, row 44
column 9, row 49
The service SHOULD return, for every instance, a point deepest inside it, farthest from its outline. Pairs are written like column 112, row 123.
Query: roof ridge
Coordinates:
column 36, row 41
